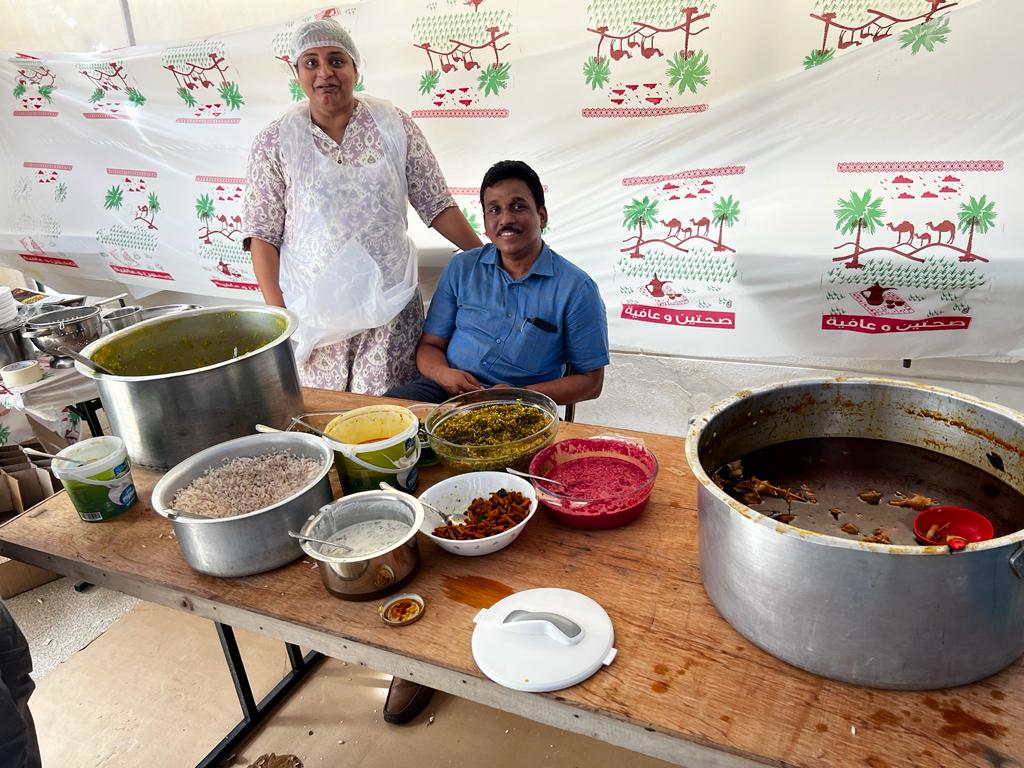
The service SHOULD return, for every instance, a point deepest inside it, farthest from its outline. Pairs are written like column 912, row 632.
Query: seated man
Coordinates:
column 514, row 312
column 511, row 313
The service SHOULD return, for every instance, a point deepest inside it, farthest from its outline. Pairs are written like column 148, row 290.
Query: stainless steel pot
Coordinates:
column 73, row 327
column 122, row 317
column 887, row 616
column 148, row 313
column 193, row 379
column 366, row 576
column 257, row 541
column 14, row 347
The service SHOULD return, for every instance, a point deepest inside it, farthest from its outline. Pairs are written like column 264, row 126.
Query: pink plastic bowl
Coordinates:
column 601, row 492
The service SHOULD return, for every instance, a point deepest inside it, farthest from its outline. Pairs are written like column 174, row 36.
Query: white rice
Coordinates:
column 245, row 484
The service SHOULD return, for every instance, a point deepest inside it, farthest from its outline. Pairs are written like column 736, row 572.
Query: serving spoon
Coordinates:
column 516, row 472
column 315, row 540
column 453, row 518
column 34, row 452
column 86, row 361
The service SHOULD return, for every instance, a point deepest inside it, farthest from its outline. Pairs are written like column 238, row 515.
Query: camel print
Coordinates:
column 673, row 226
column 944, row 227
column 701, row 222
column 903, row 228
column 863, row 213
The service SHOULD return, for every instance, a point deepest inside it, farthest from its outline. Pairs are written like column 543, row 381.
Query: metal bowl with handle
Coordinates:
column 73, row 327
column 253, row 542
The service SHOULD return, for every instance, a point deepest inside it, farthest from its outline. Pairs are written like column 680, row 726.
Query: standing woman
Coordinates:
column 326, row 224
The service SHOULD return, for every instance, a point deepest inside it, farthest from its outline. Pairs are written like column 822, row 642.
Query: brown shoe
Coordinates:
column 405, row 700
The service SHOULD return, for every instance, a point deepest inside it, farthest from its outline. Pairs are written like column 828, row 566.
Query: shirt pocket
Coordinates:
column 533, row 351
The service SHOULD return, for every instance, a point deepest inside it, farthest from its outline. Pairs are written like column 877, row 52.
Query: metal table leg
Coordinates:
column 87, row 410
column 254, row 714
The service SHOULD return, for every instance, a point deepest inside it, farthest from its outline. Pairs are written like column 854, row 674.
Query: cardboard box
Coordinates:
column 16, row 577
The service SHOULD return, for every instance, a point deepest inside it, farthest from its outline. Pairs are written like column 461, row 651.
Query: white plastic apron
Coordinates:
column 347, row 261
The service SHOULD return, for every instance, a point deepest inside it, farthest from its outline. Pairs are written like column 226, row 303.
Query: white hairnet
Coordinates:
column 320, row 33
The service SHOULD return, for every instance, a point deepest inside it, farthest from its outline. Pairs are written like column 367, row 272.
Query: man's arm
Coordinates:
column 573, row 388
column 453, row 225
column 433, row 363
column 266, row 263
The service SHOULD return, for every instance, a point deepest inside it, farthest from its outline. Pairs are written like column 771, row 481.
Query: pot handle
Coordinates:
column 1017, row 562
column 36, row 333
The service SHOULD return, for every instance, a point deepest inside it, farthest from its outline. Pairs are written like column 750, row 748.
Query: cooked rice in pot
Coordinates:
column 245, row 484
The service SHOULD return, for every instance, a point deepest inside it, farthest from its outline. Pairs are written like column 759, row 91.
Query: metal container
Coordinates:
column 122, row 317
column 148, row 313
column 194, row 379
column 257, row 541
column 365, row 577
column 14, row 347
column 74, row 327
column 886, row 616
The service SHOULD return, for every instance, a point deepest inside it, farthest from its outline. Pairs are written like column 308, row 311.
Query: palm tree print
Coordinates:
column 114, row 198
column 686, row 73
column 976, row 215
column 856, row 213
column 186, row 96
column 97, row 95
column 60, row 193
column 46, row 91
column 204, row 208
column 230, row 95
column 295, row 89
column 725, row 213
column 493, row 79
column 360, row 85
column 153, row 202
column 596, row 71
column 135, row 98
column 471, row 218
column 638, row 213
column 429, row 81
column 926, row 35
column 19, row 90
column 816, row 58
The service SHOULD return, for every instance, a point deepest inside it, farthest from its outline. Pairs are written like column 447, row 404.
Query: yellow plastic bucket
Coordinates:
column 375, row 443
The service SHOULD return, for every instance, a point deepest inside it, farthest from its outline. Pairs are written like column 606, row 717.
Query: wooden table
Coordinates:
column 684, row 687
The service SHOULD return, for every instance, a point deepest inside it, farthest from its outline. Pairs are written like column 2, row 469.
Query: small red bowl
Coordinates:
column 596, row 508
column 961, row 522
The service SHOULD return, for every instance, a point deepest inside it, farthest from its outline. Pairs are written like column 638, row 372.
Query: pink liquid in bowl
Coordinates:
column 608, row 481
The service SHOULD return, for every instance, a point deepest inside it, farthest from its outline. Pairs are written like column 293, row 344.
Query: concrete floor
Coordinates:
column 130, row 686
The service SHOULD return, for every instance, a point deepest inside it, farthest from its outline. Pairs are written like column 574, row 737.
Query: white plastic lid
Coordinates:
column 542, row 640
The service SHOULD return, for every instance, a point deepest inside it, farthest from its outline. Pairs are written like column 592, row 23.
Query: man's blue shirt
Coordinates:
column 520, row 332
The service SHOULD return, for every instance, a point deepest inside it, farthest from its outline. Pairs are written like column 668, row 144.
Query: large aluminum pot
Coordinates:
column 366, row 575
column 194, row 379
column 72, row 327
column 257, row 541
column 886, row 616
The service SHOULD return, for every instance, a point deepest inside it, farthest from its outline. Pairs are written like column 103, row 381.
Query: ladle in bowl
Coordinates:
column 448, row 518
column 315, row 540
column 86, row 361
column 34, row 452
column 516, row 472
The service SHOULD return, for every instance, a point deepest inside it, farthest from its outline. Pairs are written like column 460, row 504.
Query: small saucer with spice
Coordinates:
column 401, row 609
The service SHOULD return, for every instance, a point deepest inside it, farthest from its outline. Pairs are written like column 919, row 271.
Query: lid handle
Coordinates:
column 554, row 625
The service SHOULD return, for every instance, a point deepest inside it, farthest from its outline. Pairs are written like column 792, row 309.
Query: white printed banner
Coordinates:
column 780, row 178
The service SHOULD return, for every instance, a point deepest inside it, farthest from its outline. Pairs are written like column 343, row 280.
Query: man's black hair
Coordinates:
column 513, row 169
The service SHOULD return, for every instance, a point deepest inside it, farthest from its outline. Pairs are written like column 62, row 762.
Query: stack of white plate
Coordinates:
column 8, row 308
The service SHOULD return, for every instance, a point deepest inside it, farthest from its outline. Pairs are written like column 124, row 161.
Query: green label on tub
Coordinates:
column 108, row 494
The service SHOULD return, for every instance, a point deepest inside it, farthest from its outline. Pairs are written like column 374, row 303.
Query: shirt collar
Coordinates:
column 544, row 265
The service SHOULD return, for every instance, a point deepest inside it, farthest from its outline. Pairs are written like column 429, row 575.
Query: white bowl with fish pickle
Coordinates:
column 455, row 494
column 251, row 542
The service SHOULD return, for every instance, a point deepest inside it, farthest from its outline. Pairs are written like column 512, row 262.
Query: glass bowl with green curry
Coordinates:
column 491, row 429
